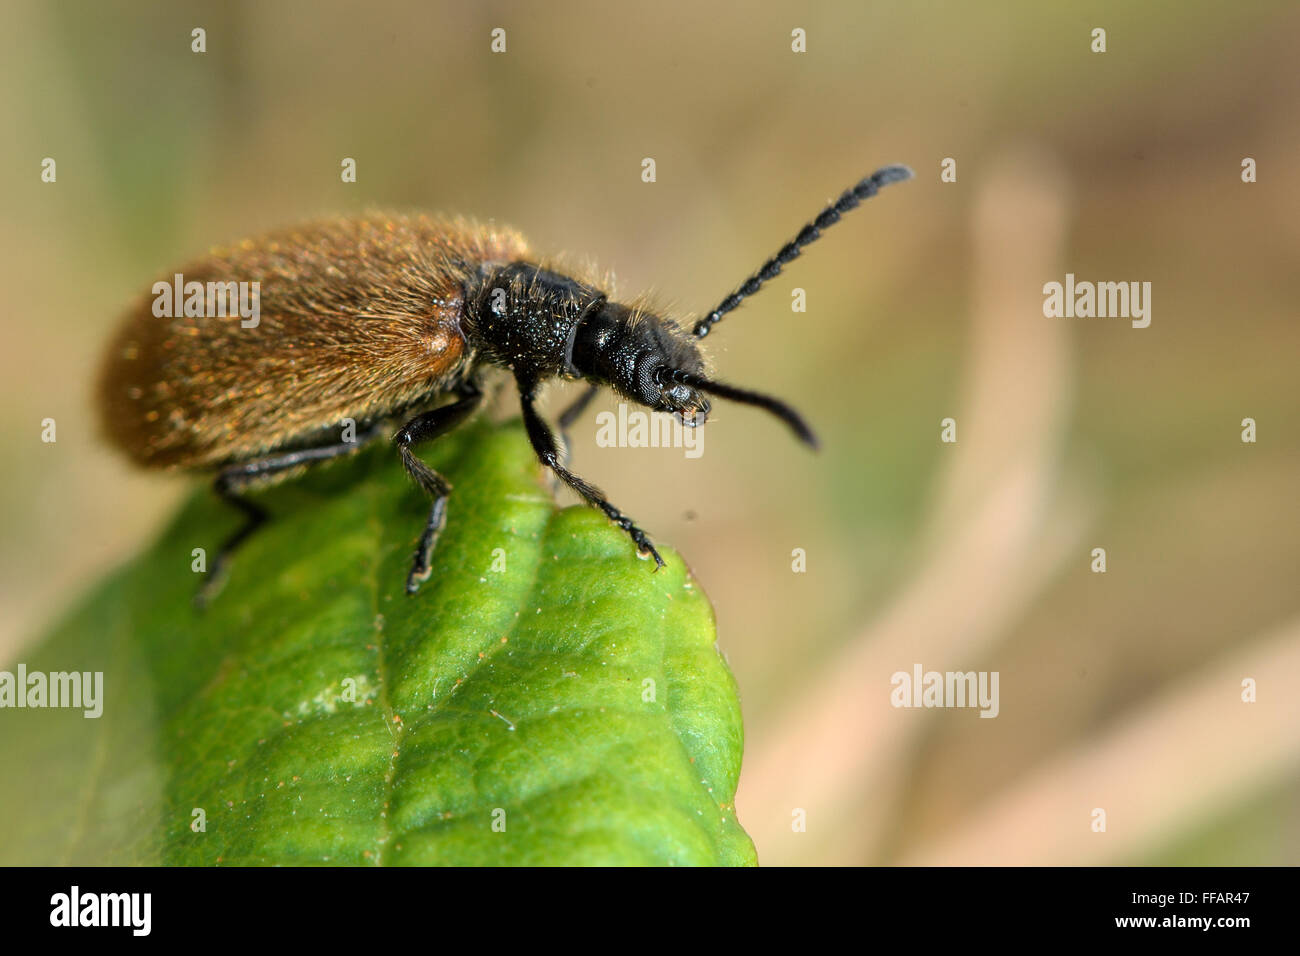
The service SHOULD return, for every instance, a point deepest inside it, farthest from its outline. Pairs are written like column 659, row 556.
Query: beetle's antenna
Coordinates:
column 828, row 217
column 766, row 402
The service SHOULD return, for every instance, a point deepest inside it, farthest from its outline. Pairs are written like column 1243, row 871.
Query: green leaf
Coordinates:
column 316, row 713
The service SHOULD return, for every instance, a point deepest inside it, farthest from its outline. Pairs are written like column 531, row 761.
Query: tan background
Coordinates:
column 1118, row 691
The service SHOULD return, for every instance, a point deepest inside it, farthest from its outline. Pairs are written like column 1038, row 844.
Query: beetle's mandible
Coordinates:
column 381, row 320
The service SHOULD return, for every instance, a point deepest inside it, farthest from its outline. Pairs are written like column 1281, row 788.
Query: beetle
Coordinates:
column 385, row 319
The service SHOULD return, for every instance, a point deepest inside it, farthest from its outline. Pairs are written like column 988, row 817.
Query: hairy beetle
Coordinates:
column 381, row 319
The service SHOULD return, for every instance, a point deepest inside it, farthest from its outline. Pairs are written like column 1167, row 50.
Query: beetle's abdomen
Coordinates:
column 355, row 318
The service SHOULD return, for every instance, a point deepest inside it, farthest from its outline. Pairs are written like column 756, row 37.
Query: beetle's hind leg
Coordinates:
column 233, row 480
column 425, row 427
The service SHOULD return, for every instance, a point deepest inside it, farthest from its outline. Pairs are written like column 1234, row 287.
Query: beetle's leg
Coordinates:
column 571, row 415
column 565, row 422
column 233, row 480
column 422, row 428
column 543, row 442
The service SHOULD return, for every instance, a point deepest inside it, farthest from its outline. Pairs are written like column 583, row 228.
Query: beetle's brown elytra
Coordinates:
column 382, row 319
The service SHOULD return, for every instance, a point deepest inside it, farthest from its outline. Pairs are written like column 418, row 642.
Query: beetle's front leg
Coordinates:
column 543, row 442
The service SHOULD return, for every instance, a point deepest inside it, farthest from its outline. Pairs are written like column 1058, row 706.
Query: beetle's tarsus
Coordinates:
column 648, row 550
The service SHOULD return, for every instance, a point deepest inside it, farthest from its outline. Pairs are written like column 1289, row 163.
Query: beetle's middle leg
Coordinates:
column 424, row 427
column 233, row 480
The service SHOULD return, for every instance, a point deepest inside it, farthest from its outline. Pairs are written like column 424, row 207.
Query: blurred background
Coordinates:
column 1119, row 691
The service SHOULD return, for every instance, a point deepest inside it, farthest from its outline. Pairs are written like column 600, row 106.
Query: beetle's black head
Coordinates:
column 541, row 324
column 654, row 362
column 642, row 357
